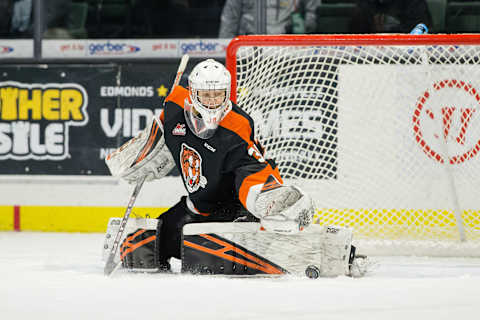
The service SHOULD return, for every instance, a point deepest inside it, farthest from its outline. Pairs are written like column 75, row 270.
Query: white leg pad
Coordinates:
column 335, row 246
column 327, row 248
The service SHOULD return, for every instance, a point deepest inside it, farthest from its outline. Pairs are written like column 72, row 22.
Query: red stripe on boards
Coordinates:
column 16, row 218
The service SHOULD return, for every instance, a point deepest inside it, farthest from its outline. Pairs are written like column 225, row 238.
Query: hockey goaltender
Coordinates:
column 238, row 218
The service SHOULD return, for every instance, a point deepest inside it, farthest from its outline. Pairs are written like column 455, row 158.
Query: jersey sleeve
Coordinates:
column 253, row 173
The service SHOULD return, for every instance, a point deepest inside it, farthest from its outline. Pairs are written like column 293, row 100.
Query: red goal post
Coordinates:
column 342, row 40
column 383, row 131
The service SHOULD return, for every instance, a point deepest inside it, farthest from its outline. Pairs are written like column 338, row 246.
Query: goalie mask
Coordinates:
column 209, row 98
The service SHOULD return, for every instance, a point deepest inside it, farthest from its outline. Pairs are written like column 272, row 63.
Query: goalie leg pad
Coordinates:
column 140, row 251
column 179, row 215
column 243, row 249
column 211, row 253
column 137, row 251
column 337, row 251
column 132, row 225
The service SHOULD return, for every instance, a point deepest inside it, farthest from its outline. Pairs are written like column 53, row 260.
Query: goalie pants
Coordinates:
column 176, row 217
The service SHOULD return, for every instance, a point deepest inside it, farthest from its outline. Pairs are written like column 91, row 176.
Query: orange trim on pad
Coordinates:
column 127, row 247
column 257, row 263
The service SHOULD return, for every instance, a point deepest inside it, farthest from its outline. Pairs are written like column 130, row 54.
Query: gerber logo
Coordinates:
column 5, row 49
column 35, row 119
column 109, row 48
column 202, row 47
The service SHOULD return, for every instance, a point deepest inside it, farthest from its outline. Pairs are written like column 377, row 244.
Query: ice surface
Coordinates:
column 60, row 276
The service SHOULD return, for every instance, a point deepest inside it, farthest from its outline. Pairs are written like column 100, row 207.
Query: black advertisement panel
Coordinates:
column 65, row 119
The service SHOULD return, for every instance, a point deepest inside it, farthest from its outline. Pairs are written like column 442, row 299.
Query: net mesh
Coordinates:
column 385, row 137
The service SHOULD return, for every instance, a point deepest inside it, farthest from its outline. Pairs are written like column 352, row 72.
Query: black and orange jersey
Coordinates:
column 224, row 168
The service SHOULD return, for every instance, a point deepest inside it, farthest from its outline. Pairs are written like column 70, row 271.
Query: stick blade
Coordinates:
column 110, row 267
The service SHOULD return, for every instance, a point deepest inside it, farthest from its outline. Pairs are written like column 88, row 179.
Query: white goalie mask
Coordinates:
column 209, row 97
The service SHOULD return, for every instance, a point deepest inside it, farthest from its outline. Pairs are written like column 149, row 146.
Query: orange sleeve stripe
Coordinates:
column 178, row 96
column 239, row 124
column 270, row 186
column 276, row 174
column 259, row 177
column 162, row 117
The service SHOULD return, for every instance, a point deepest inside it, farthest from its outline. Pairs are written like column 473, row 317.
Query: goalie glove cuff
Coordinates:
column 286, row 210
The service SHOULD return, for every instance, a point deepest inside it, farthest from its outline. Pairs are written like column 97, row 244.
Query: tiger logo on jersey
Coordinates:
column 191, row 162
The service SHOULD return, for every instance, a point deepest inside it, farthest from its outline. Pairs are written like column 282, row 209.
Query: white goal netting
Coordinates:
column 383, row 131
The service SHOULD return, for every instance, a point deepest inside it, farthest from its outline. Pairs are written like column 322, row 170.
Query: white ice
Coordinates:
column 60, row 276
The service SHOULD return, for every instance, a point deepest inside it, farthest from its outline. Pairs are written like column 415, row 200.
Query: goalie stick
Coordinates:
column 111, row 265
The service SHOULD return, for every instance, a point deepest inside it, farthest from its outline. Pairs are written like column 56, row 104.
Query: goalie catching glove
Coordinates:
column 144, row 155
column 286, row 210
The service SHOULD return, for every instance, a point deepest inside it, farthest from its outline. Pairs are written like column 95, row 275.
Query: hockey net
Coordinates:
column 382, row 130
